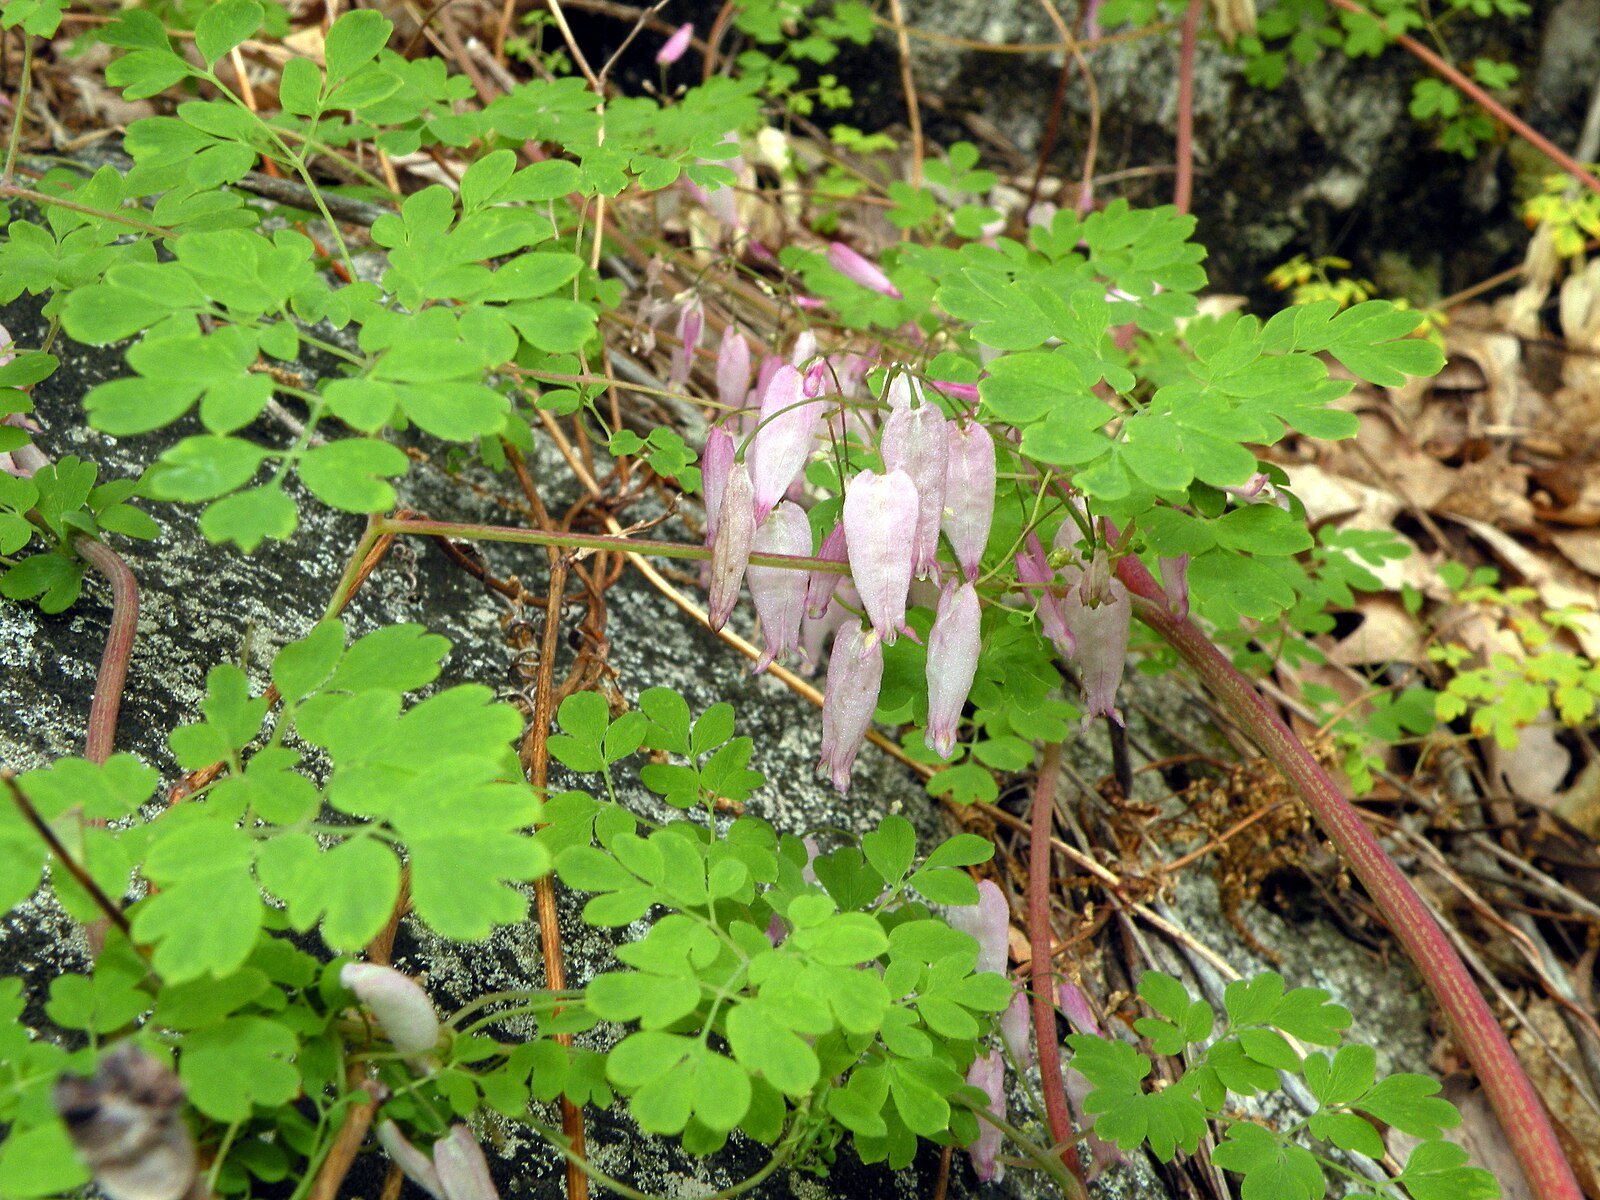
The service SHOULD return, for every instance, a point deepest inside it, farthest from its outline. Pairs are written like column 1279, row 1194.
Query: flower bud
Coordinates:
column 969, row 476
column 788, row 424
column 952, row 662
column 879, row 510
column 1175, row 583
column 989, row 921
column 730, row 550
column 1015, row 1024
column 402, row 1009
column 733, row 367
column 780, row 592
column 855, row 673
column 823, row 584
column 672, row 49
column 988, row 1075
column 958, row 391
column 463, row 1173
column 858, row 269
column 716, row 461
column 1101, row 633
column 413, row 1163
column 1033, row 567
column 914, row 441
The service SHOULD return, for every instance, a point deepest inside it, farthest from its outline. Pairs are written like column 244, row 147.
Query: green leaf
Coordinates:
column 1306, row 1013
column 1273, row 1169
column 891, row 847
column 1253, row 1001
column 354, row 40
column 962, row 850
column 208, row 914
column 1345, row 1078
column 1348, row 1132
column 40, row 1161
column 237, row 1065
column 98, row 1004
column 247, row 518
column 224, row 25
column 1438, row 1171
column 349, row 474
column 303, row 666
column 300, row 85
column 202, row 468
column 403, row 657
column 1410, row 1104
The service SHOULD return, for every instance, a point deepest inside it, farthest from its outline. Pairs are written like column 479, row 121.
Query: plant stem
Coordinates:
column 20, row 106
column 74, row 868
column 113, row 674
column 1042, row 1158
column 47, row 201
column 1522, row 1116
column 1044, row 1009
column 1489, row 104
column 1184, row 189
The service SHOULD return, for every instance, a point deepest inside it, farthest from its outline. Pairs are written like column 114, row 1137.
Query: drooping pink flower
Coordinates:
column 969, row 483
column 402, row 1009
column 988, row 1075
column 879, row 511
column 1015, row 1024
column 859, row 269
column 822, row 584
column 716, row 461
column 780, row 593
column 788, row 425
column 672, row 49
column 958, row 391
column 691, row 323
column 1175, row 583
column 730, row 550
column 804, row 349
column 902, row 391
column 989, row 921
column 733, row 367
column 855, row 674
column 914, row 441
column 1101, row 634
column 952, row 662
column 413, row 1163
column 1034, row 568
column 462, row 1170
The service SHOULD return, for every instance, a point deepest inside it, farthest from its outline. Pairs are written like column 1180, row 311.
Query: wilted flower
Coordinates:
column 989, row 921
column 672, row 49
column 402, row 1009
column 779, row 592
column 878, row 512
column 914, row 441
column 988, row 1075
column 788, row 424
column 126, row 1123
column 952, row 662
column 822, row 584
column 730, row 549
column 1075, row 1005
column 860, row 270
column 855, row 673
column 968, row 493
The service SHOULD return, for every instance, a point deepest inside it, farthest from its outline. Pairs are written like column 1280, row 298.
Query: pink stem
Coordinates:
column 1191, row 32
column 108, row 684
column 1522, row 1115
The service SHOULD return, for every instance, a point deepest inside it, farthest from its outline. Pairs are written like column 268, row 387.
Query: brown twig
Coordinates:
column 103, row 902
column 908, row 85
column 113, row 674
column 1183, row 190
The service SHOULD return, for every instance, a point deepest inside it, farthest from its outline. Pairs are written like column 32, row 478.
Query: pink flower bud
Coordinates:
column 788, row 424
column 958, row 391
column 733, row 367
column 672, row 49
column 989, row 921
column 1034, row 567
column 1175, row 583
column 860, row 270
column 463, row 1172
column 822, row 584
column 816, row 378
column 1015, row 1024
column 1101, row 633
column 914, row 441
column 730, row 550
column 969, row 476
column 780, row 593
column 855, row 673
column 716, row 461
column 413, row 1163
column 879, row 512
column 399, row 1004
column 952, row 662
column 988, row 1075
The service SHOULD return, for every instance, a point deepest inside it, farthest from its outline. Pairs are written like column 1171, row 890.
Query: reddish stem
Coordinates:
column 1522, row 1115
column 1191, row 34
column 1490, row 105
column 1044, row 1010
column 108, row 684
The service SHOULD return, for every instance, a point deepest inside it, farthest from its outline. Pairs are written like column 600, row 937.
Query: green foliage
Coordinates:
column 1246, row 1058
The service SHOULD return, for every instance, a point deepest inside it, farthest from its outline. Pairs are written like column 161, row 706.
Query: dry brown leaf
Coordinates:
column 1534, row 768
column 1387, row 634
column 1582, row 548
column 1493, row 490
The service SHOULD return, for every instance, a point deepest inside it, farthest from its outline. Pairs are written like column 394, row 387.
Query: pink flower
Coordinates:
column 780, row 593
column 1175, row 583
column 716, row 461
column 879, row 511
column 413, row 1163
column 952, row 662
column 988, row 1075
column 788, row 424
column 914, row 441
column 672, row 49
column 1015, row 1024
column 822, row 585
column 958, row 391
column 1034, row 568
column 733, row 367
column 1101, row 634
column 855, row 673
column 860, row 270
column 691, row 322
column 462, row 1171
column 969, row 481
column 815, row 632
column 989, row 921
column 398, row 1003
column 730, row 549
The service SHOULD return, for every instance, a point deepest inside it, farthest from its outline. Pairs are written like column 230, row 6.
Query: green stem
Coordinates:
column 1043, row 1158
column 20, row 107
column 40, row 198
column 1522, row 1116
